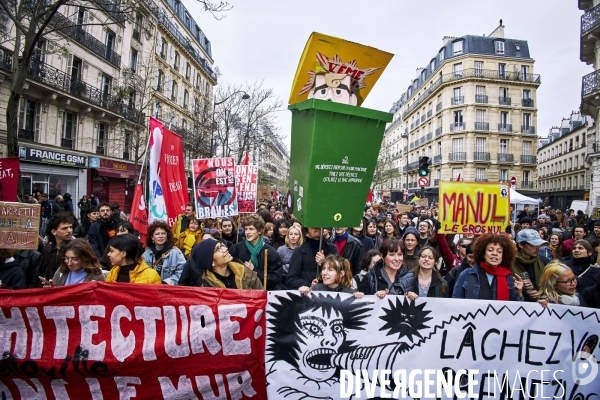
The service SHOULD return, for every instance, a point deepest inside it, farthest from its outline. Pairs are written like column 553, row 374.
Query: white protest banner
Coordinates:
column 245, row 179
column 333, row 346
column 214, row 187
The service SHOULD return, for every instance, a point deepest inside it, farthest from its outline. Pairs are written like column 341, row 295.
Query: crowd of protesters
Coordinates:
column 545, row 256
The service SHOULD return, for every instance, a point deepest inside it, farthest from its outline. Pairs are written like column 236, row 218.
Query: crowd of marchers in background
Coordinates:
column 545, row 256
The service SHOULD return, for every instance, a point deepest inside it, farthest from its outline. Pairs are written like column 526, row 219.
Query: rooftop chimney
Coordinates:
column 498, row 32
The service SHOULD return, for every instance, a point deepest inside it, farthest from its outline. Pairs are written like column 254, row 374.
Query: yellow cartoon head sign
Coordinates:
column 360, row 65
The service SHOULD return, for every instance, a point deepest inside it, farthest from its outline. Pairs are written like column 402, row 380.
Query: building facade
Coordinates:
column 562, row 172
column 273, row 160
column 590, row 92
column 83, row 117
column 472, row 111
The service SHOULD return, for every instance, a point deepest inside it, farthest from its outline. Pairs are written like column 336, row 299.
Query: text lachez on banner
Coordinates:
column 136, row 343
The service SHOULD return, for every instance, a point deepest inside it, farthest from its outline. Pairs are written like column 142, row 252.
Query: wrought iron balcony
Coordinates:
column 66, row 143
column 25, row 134
column 457, row 127
column 482, row 126
column 436, row 182
column 437, row 159
column 590, row 20
column 528, row 129
column 100, row 150
column 481, row 180
column 438, row 107
column 429, row 113
column 185, row 42
column 413, row 165
column 527, row 184
column 429, row 136
column 125, row 155
column 481, row 156
column 505, row 128
column 457, row 156
column 527, row 102
column 504, row 101
column 66, row 26
column 527, row 159
column 438, row 131
column 481, row 98
column 458, row 100
column 506, row 158
column 112, row 9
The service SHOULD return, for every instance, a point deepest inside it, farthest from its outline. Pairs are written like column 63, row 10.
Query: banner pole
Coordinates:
column 320, row 247
column 265, row 272
column 145, row 157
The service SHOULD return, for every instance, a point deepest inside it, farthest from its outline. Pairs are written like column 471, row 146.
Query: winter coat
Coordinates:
column 60, row 279
column 374, row 281
column 57, row 207
column 142, row 273
column 194, row 239
column 84, row 206
column 470, row 277
column 245, row 278
column 50, row 260
column 274, row 269
column 31, row 263
column 303, row 267
column 367, row 243
column 181, row 224
column 353, row 252
column 286, row 254
column 12, row 276
column 99, row 235
column 411, row 282
column 172, row 264
column 46, row 209
column 68, row 205
column 452, row 276
column 591, row 295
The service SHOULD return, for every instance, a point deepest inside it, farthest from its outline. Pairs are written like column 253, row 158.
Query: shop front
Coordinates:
column 52, row 172
column 112, row 181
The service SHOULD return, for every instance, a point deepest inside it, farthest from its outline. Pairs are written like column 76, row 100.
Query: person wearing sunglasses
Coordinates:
column 558, row 285
column 78, row 264
column 211, row 265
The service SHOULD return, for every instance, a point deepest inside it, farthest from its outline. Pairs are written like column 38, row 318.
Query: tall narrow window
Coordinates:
column 101, row 138
column 109, row 42
column 478, row 68
column 457, row 47
column 69, row 124
column 526, row 148
column 499, row 44
column 457, row 145
column 524, row 72
column 502, row 71
column 480, row 116
column 458, row 117
column 456, row 173
column 457, row 69
column 526, row 121
column 27, row 117
column 503, row 175
column 480, row 145
column 479, row 174
column 127, row 144
column 133, row 61
column 76, row 69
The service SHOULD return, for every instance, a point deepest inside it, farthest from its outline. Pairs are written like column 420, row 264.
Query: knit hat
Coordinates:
column 203, row 253
column 411, row 229
column 526, row 220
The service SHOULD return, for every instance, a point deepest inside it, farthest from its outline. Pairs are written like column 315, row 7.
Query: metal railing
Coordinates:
column 438, row 131
column 112, row 9
column 482, row 126
column 481, row 180
column 505, row 157
column 457, row 127
column 471, row 73
column 527, row 159
column 504, row 127
column 590, row 83
column 100, row 150
column 26, row 134
column 527, row 129
column 504, row 101
column 413, row 165
column 437, row 159
column 66, row 26
column 481, row 156
column 186, row 43
column 459, row 156
column 458, row 100
column 527, row 102
column 590, row 20
column 527, row 184
column 436, row 182
column 481, row 98
column 66, row 143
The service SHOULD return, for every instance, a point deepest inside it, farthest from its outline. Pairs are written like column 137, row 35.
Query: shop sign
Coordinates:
column 52, row 157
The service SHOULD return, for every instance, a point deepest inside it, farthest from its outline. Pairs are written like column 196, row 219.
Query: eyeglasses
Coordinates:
column 221, row 247
column 464, row 246
column 212, row 231
column 571, row 281
column 68, row 260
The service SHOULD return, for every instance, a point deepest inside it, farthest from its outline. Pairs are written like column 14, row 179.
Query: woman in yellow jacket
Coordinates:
column 125, row 254
column 189, row 238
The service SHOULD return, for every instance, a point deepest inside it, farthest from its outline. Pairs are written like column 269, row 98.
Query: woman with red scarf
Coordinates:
column 490, row 278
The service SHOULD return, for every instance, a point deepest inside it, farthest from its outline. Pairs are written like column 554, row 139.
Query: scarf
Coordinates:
column 501, row 283
column 522, row 264
column 340, row 242
column 255, row 250
column 159, row 253
column 553, row 248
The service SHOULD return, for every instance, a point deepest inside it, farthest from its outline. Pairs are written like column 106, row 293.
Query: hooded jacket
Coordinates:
column 12, row 276
column 142, row 273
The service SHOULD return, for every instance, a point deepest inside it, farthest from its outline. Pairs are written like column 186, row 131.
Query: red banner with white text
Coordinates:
column 172, row 175
column 9, row 179
column 102, row 340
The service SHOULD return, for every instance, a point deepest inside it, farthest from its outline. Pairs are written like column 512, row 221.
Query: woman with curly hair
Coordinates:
column 161, row 253
column 558, row 285
column 491, row 277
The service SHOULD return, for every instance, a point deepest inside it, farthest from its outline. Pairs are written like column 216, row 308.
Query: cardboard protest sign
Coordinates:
column 245, row 179
column 9, row 178
column 19, row 225
column 403, row 207
column 331, row 346
column 214, row 187
column 139, row 341
column 264, row 192
column 474, row 207
column 423, row 202
column 328, row 55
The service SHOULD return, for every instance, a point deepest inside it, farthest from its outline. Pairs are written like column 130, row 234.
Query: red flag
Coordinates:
column 370, row 196
column 172, row 175
column 9, row 179
column 275, row 194
column 246, row 159
column 458, row 178
column 139, row 213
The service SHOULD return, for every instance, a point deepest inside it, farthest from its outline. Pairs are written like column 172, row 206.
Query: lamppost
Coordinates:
column 245, row 96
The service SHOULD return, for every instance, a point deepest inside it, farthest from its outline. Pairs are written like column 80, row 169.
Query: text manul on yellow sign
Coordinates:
column 474, row 207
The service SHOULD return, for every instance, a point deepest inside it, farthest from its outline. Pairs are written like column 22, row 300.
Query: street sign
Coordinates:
column 513, row 180
column 423, row 181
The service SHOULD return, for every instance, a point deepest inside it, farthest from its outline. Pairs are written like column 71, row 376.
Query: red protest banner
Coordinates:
column 138, row 341
column 139, row 213
column 9, row 178
column 172, row 175
column 214, row 187
column 245, row 179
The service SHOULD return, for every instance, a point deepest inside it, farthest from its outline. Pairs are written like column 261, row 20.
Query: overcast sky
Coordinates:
column 263, row 40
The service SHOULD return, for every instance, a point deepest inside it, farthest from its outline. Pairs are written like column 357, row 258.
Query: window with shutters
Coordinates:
column 161, row 80
column 188, row 69
column 163, row 49
column 174, row 91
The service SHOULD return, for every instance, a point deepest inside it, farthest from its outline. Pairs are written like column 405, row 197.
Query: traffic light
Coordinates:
column 423, row 166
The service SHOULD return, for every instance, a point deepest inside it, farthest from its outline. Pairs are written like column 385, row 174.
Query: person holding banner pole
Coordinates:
column 252, row 252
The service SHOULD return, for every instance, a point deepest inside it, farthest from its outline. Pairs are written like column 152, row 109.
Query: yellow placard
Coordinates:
column 324, row 53
column 474, row 207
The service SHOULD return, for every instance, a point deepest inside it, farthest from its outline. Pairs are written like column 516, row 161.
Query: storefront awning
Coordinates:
column 113, row 173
